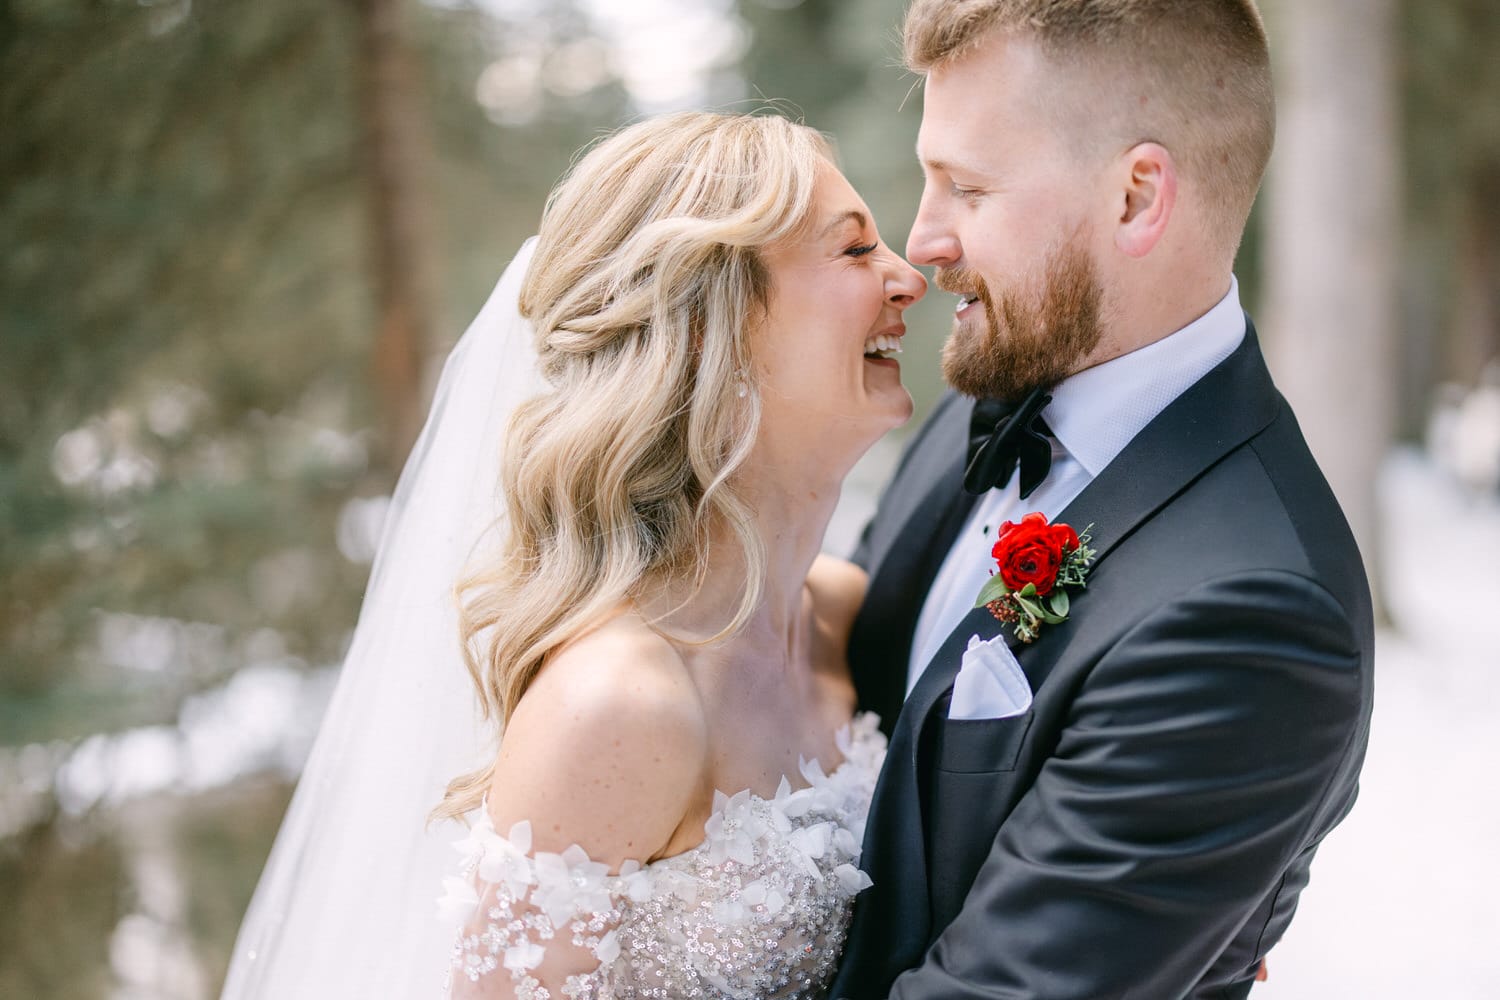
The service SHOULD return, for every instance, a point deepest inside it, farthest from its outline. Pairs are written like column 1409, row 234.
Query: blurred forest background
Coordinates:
column 241, row 236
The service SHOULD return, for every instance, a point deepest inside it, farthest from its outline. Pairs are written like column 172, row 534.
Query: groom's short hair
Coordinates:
column 1193, row 75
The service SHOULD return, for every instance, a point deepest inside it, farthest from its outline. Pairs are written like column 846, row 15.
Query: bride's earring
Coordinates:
column 741, row 386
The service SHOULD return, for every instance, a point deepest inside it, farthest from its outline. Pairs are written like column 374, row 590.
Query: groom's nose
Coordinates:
column 932, row 240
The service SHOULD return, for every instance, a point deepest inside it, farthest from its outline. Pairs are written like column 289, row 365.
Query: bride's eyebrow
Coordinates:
column 853, row 214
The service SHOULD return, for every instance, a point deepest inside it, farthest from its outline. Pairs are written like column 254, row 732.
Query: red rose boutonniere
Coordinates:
column 1034, row 564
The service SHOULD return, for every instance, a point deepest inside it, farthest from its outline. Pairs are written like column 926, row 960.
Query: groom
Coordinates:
column 1128, row 805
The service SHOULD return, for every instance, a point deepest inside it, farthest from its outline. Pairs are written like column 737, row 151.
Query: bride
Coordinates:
column 677, row 805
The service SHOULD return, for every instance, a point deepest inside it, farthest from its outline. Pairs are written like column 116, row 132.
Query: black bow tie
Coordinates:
column 1001, row 437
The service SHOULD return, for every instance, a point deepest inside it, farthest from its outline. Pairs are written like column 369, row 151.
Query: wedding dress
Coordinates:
column 758, row 910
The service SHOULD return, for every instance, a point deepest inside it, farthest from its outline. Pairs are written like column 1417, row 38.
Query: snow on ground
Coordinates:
column 1403, row 899
column 1402, row 902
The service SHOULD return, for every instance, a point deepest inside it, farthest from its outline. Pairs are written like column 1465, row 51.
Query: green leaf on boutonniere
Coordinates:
column 993, row 590
column 1031, row 607
column 1052, row 617
column 1027, row 591
column 1060, row 602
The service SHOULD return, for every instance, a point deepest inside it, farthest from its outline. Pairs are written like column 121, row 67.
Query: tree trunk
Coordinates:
column 1475, row 343
column 398, row 161
column 1332, row 240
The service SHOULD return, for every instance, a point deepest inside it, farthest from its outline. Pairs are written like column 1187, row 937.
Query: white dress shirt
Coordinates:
column 1093, row 416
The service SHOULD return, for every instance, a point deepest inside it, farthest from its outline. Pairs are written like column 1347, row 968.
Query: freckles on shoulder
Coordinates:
column 605, row 750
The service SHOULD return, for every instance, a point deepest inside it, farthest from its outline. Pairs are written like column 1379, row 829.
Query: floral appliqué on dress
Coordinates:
column 758, row 910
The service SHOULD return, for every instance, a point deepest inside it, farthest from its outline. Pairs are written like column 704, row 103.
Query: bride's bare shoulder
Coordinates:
column 622, row 663
column 607, row 748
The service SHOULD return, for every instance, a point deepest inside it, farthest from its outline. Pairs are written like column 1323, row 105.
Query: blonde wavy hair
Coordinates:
column 647, row 281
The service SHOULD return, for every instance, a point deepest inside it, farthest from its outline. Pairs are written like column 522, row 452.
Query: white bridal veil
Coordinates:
column 346, row 906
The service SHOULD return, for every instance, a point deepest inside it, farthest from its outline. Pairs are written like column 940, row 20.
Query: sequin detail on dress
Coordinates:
column 758, row 910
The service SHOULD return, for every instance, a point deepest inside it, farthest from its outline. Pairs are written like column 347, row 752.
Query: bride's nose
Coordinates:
column 904, row 284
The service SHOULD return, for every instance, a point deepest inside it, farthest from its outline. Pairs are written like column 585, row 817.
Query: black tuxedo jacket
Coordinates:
column 1197, row 725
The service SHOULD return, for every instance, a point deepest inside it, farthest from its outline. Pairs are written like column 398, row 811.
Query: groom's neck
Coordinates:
column 1142, row 312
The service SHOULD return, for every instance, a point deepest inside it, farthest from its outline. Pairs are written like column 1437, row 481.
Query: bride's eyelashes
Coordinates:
column 860, row 251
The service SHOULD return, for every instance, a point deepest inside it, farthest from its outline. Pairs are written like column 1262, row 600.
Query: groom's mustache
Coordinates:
column 963, row 281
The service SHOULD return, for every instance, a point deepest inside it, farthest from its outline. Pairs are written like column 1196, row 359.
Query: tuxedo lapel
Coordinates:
column 904, row 565
column 883, row 637
column 1217, row 414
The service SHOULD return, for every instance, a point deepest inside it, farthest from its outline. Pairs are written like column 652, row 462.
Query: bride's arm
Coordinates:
column 837, row 586
column 605, row 751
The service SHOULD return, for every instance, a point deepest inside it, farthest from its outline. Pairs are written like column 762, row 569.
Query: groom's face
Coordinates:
column 1007, row 218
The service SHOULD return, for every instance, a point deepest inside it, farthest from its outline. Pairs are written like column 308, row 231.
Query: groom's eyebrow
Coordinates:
column 945, row 166
column 843, row 217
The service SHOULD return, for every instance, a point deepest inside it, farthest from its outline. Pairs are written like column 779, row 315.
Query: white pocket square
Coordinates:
column 990, row 683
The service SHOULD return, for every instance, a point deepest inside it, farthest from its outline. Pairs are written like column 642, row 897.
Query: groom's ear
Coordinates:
column 1148, row 194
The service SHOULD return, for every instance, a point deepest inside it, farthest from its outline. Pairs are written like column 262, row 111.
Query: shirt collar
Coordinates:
column 1095, row 413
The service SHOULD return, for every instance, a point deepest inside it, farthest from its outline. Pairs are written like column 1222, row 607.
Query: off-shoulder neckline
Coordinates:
column 861, row 731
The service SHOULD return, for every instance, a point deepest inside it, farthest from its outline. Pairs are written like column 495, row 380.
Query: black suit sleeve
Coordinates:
column 1204, row 753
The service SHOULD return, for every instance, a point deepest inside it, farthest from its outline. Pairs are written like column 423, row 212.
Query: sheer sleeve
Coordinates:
column 533, row 926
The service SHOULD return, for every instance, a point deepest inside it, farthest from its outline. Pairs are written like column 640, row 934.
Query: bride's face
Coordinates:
column 825, row 357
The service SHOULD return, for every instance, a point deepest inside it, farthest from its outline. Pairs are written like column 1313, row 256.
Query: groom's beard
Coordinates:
column 1033, row 336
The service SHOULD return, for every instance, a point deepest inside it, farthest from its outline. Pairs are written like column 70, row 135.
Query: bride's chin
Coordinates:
column 896, row 406
column 892, row 413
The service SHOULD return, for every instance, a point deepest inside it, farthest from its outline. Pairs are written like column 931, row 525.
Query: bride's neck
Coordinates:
column 792, row 502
